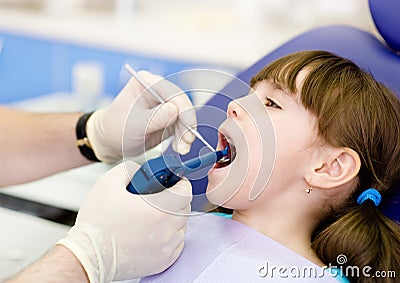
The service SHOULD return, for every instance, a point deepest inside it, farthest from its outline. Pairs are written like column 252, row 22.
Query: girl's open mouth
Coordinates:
column 224, row 142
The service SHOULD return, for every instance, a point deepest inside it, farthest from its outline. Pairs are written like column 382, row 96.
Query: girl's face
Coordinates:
column 271, row 136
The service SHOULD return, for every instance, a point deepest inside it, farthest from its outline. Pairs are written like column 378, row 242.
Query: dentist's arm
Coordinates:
column 36, row 145
column 58, row 265
column 118, row 235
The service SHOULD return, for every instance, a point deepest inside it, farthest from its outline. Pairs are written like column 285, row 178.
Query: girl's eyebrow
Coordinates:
column 276, row 85
column 285, row 93
column 280, row 87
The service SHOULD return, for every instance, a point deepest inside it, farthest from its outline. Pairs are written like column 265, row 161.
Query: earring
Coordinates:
column 309, row 188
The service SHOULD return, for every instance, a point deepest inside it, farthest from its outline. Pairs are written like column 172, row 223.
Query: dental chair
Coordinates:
column 380, row 57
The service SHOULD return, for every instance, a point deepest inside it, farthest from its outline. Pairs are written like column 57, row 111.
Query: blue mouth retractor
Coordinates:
column 165, row 171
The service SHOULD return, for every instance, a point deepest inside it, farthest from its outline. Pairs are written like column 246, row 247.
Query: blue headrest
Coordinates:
column 385, row 14
column 359, row 46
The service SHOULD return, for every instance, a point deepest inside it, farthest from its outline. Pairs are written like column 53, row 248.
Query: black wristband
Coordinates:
column 82, row 140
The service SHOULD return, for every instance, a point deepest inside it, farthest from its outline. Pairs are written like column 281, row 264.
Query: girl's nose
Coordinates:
column 234, row 109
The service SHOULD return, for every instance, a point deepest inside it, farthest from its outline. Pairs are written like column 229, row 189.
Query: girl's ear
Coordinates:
column 336, row 168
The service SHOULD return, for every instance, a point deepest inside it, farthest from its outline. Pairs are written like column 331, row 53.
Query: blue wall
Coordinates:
column 33, row 66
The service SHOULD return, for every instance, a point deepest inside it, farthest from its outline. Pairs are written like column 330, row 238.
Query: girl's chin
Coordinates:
column 219, row 187
column 216, row 176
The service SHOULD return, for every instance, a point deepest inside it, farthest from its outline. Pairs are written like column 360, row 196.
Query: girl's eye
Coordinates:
column 270, row 103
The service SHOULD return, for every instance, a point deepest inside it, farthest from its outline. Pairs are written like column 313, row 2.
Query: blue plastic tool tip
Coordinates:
column 225, row 151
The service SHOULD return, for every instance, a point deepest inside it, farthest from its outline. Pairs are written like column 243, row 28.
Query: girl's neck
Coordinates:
column 286, row 227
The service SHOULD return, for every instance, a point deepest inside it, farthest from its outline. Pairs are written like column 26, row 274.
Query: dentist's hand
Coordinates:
column 119, row 235
column 135, row 121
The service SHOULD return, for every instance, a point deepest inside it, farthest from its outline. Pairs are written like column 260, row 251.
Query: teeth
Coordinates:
column 228, row 140
column 233, row 151
column 224, row 159
column 231, row 147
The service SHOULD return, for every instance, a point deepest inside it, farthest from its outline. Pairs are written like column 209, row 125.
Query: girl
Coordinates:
column 314, row 148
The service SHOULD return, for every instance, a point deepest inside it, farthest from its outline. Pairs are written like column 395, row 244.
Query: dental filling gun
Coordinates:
column 165, row 171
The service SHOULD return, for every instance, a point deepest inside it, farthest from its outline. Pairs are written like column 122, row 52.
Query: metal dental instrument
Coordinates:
column 162, row 100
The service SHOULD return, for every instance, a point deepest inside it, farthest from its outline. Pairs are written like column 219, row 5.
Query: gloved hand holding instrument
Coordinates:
column 136, row 121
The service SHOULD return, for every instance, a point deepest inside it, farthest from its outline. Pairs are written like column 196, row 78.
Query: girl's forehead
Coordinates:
column 293, row 91
column 290, row 79
column 301, row 76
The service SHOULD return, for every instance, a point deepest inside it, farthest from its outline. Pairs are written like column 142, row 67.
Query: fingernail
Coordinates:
column 183, row 148
column 189, row 137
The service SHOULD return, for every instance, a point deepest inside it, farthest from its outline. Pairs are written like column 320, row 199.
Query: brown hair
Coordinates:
column 354, row 111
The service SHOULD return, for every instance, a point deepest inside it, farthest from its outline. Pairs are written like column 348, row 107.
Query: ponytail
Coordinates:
column 363, row 242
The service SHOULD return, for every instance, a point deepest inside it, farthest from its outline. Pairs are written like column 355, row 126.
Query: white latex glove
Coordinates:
column 120, row 236
column 135, row 121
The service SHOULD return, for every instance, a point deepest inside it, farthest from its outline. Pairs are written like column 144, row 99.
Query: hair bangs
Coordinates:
column 284, row 71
